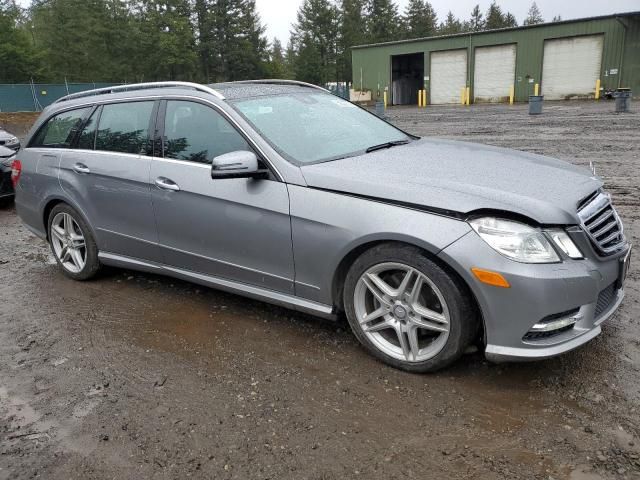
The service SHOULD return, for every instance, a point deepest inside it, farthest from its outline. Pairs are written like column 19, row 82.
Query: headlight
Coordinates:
column 515, row 240
column 12, row 140
column 564, row 242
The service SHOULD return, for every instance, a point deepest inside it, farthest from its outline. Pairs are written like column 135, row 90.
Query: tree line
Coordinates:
column 210, row 40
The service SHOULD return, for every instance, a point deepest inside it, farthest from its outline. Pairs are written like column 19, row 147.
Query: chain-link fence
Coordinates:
column 33, row 97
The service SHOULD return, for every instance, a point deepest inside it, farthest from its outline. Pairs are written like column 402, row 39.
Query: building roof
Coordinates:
column 522, row 27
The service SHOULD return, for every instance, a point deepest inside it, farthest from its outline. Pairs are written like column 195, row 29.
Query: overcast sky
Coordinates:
column 278, row 15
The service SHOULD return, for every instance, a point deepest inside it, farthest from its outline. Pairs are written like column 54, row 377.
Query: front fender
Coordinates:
column 328, row 226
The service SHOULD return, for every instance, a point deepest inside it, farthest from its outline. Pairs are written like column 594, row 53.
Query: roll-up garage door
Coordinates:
column 494, row 73
column 571, row 67
column 448, row 75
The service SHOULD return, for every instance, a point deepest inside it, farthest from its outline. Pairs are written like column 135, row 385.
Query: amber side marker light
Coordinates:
column 490, row 278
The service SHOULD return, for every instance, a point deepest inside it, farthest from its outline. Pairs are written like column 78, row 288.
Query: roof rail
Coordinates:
column 140, row 86
column 276, row 81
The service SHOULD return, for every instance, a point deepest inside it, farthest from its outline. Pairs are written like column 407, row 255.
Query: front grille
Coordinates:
column 601, row 223
column 605, row 299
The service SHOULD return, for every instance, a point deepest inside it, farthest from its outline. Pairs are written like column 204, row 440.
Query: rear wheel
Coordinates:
column 407, row 310
column 72, row 243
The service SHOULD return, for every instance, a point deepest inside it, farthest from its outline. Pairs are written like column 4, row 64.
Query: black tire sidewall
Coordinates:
column 92, row 264
column 455, row 294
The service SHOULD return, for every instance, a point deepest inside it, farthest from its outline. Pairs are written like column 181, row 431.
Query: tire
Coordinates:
column 64, row 242
column 419, row 315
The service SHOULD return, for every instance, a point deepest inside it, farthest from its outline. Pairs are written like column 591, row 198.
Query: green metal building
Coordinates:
column 561, row 60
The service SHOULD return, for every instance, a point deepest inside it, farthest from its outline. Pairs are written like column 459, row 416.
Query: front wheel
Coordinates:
column 72, row 243
column 407, row 310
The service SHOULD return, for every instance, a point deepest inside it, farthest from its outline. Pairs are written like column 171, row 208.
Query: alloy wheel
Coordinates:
column 402, row 312
column 68, row 242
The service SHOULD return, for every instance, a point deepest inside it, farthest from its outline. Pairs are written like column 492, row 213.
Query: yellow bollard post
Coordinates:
column 419, row 98
column 424, row 98
column 463, row 95
column 536, row 89
column 511, row 94
column 598, row 89
column 468, row 96
column 384, row 99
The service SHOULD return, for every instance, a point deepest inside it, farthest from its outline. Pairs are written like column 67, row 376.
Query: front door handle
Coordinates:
column 167, row 184
column 81, row 168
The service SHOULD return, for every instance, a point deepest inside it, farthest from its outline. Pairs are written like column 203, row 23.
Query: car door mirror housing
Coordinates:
column 239, row 164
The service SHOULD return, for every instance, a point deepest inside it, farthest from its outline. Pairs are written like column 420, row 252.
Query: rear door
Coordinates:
column 108, row 177
column 236, row 228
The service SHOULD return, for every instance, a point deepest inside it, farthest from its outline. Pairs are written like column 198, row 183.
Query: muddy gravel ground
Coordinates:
column 138, row 376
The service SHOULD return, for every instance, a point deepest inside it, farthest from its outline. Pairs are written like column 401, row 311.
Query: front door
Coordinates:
column 237, row 229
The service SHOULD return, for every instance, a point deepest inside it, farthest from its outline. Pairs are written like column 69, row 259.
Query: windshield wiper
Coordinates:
column 386, row 145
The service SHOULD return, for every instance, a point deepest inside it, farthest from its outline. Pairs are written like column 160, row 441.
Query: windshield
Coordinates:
column 316, row 127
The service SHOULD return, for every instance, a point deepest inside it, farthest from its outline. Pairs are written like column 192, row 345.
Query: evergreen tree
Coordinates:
column 18, row 58
column 451, row 25
column 495, row 17
column 534, row 16
column 277, row 64
column 382, row 21
column 420, row 19
column 476, row 22
column 350, row 33
column 167, row 40
column 315, row 35
column 510, row 20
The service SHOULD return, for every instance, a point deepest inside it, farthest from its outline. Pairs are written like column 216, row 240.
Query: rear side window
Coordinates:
column 60, row 129
column 198, row 133
column 124, row 127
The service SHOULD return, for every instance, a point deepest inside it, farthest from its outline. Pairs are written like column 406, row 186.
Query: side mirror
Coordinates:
column 239, row 164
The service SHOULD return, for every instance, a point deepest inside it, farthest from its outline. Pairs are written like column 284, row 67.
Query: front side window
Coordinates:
column 198, row 133
column 316, row 127
column 60, row 129
column 124, row 127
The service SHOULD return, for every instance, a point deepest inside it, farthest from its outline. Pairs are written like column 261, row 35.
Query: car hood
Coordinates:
column 461, row 177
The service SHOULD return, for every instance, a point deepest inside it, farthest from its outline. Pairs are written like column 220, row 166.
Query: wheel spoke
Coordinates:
column 405, row 284
column 374, row 315
column 430, row 325
column 404, row 343
column 424, row 312
column 66, row 224
column 64, row 255
column 377, row 327
column 57, row 232
column 379, row 288
column 76, row 257
column 415, row 290
column 412, row 334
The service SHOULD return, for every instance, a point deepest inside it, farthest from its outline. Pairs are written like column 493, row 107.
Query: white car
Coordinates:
column 9, row 140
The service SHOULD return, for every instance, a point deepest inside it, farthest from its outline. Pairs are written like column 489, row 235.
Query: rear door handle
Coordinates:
column 81, row 168
column 167, row 184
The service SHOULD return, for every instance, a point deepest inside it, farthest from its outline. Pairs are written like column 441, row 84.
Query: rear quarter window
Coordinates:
column 60, row 130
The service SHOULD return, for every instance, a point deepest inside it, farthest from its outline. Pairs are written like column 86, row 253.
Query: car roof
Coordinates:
column 250, row 89
column 220, row 91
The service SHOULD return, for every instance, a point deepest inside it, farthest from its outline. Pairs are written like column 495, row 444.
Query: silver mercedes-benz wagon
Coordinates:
column 280, row 191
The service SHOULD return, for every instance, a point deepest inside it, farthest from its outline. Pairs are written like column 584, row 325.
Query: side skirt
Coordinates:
column 251, row 291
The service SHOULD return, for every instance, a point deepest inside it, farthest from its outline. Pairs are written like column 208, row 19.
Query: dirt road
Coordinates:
column 138, row 376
